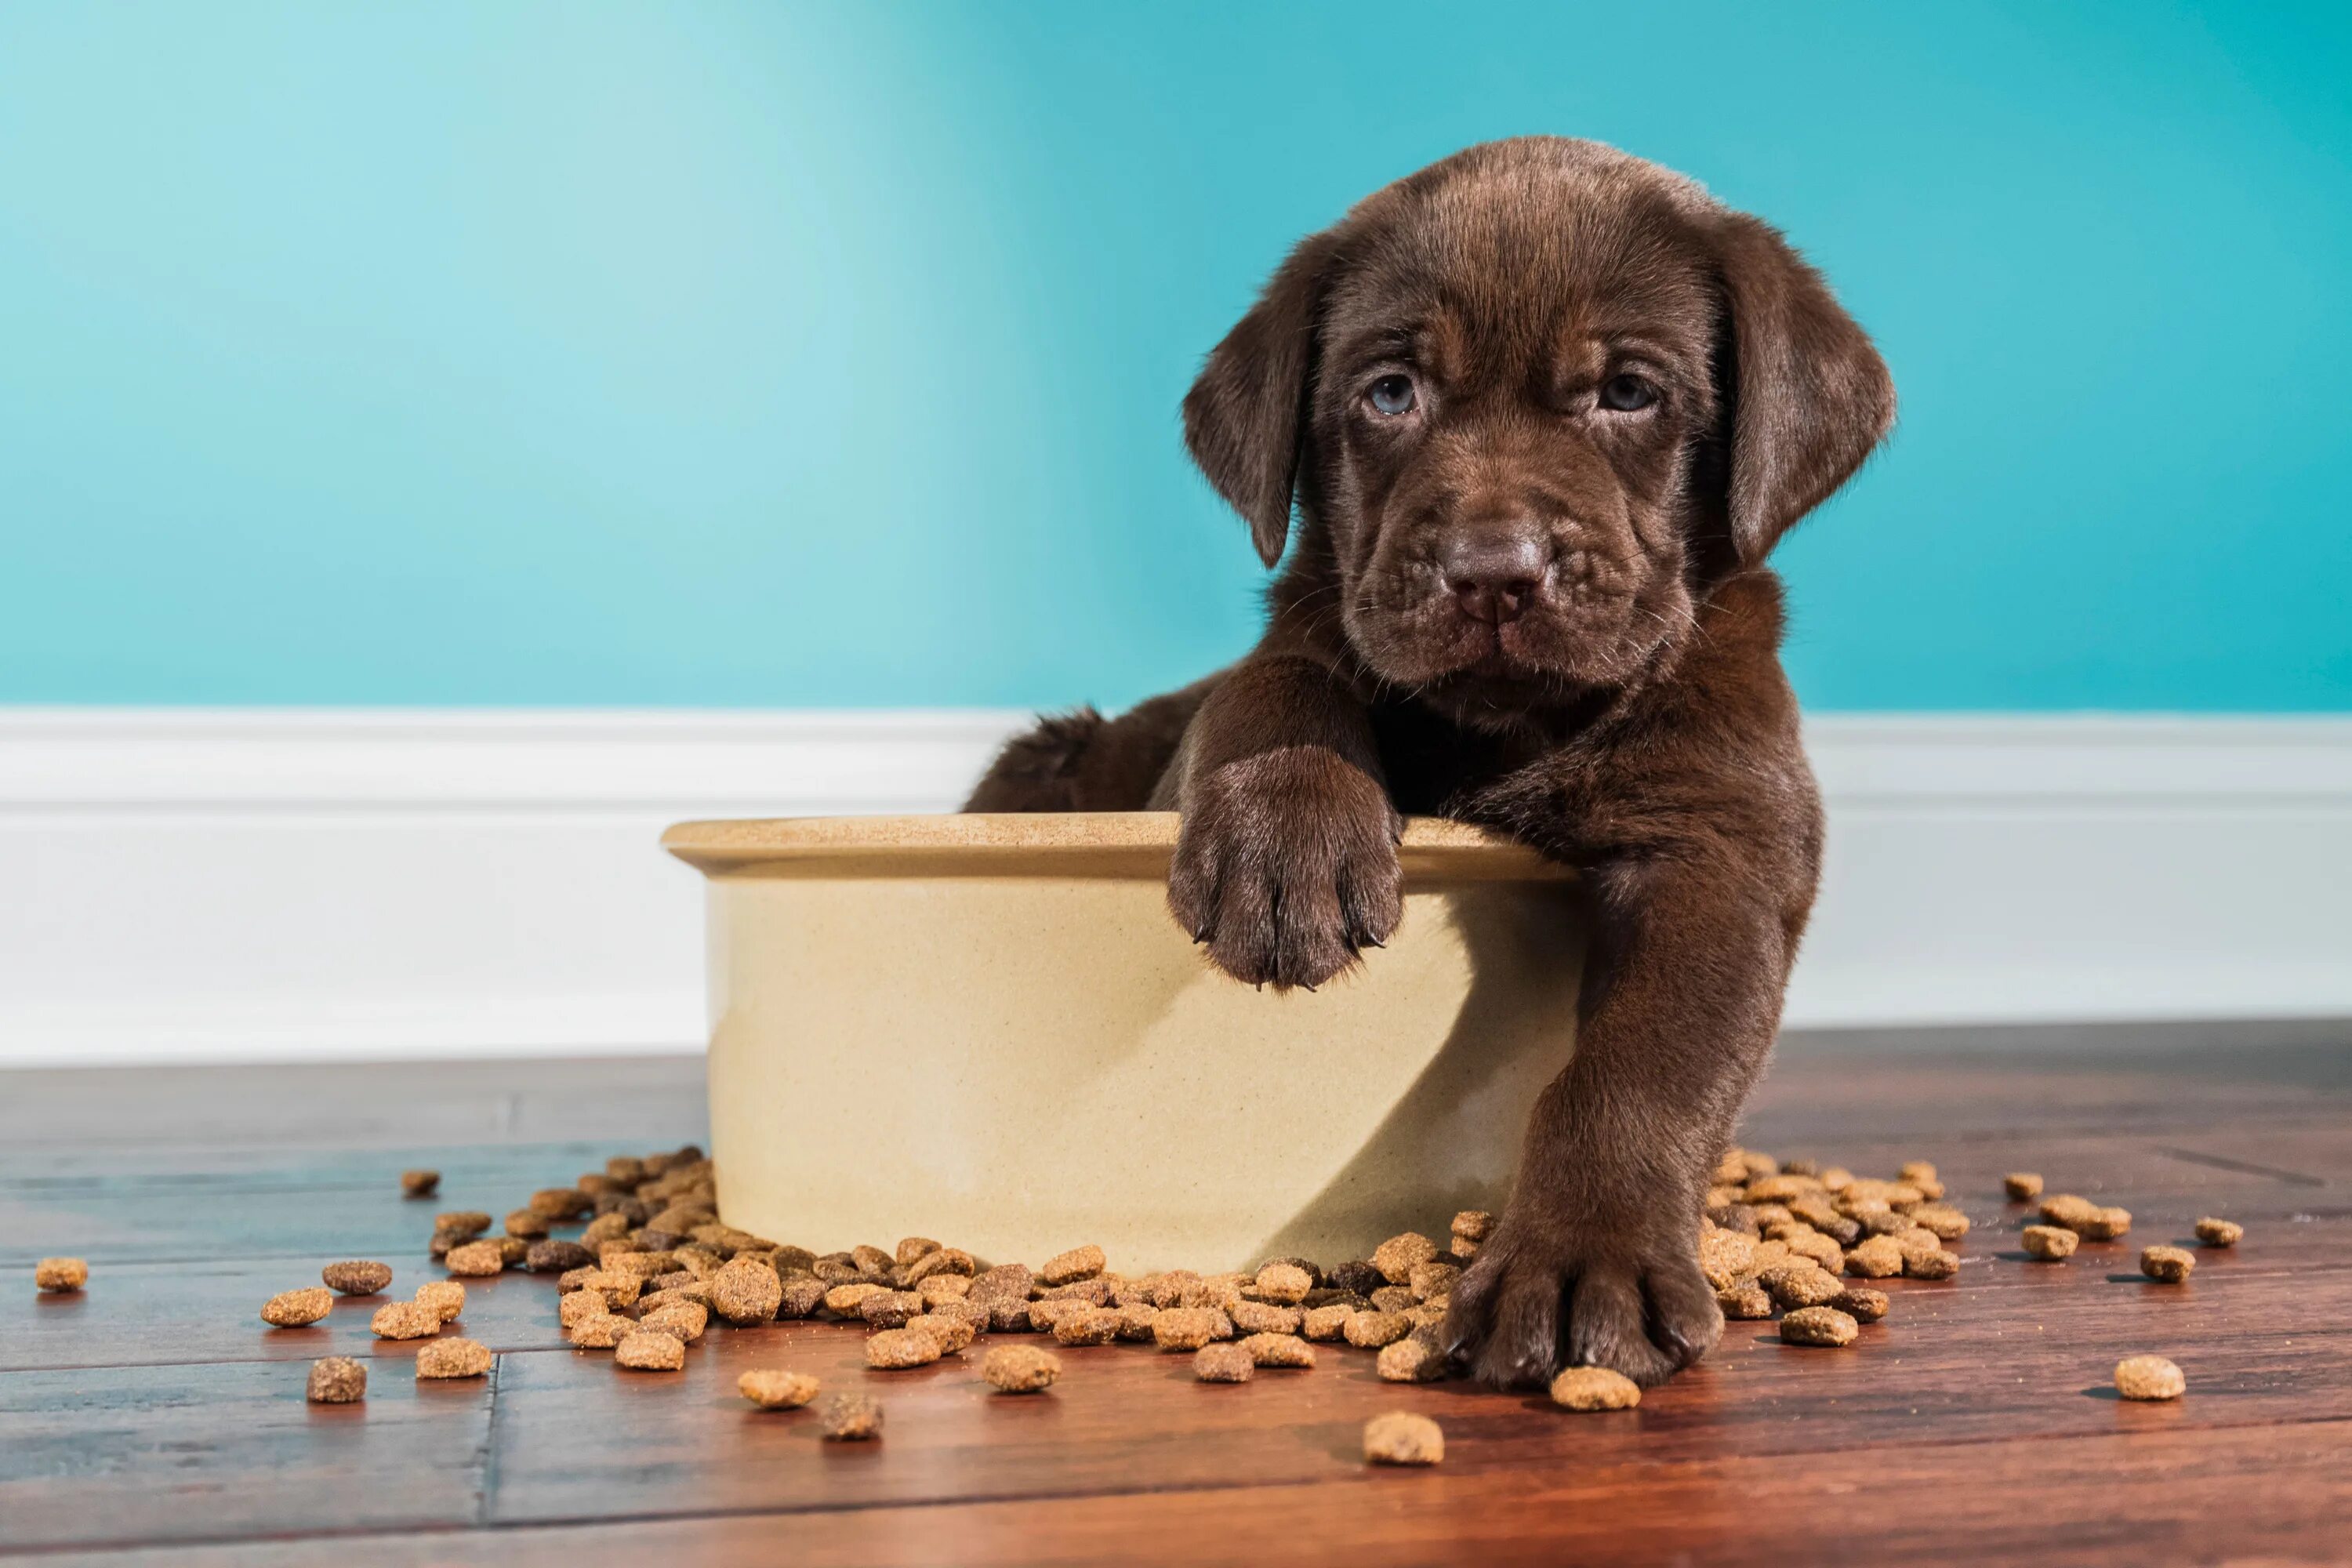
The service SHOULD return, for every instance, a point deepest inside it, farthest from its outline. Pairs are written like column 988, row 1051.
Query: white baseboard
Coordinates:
column 254, row 885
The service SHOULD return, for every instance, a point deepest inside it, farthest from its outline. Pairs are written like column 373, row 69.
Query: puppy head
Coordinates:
column 1531, row 401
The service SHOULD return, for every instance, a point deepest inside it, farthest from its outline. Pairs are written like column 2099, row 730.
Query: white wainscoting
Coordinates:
column 192, row 885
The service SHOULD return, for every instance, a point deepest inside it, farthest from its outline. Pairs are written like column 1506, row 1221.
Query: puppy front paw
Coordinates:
column 1552, row 1291
column 1286, row 867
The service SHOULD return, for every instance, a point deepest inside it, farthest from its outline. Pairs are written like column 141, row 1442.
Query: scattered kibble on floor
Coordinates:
column 2149, row 1377
column 60, row 1275
column 1402, row 1438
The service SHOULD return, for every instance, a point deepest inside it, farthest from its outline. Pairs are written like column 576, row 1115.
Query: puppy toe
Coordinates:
column 1606, row 1327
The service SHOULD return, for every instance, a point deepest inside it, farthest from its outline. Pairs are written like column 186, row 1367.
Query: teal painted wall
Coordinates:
column 764, row 354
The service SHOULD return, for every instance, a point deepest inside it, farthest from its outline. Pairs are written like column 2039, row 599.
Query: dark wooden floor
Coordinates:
column 153, row 1418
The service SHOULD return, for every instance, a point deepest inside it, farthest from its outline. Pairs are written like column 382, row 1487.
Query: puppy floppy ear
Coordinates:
column 1243, row 417
column 1808, row 395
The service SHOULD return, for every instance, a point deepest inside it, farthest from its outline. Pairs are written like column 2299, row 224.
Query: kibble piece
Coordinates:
column 747, row 1292
column 529, row 1224
column 2022, row 1187
column 650, row 1350
column 1358, row 1276
column 1748, row 1301
column 1930, row 1263
column 954, row 1333
column 2068, row 1209
column 562, row 1203
column 1400, row 1438
column 845, row 1300
column 356, row 1278
column 1186, row 1328
column 1823, row 1250
column 1594, row 1388
column 1093, row 1292
column 1395, row 1257
column 1009, row 1282
column 1284, row 1284
column 578, row 1306
column 2149, row 1377
column 2050, row 1242
column 471, row 1222
column 2214, row 1232
column 684, row 1320
column 420, row 1184
column 914, row 1249
column 443, row 1297
column 1087, row 1325
column 602, row 1330
column 552, row 1256
column 1264, row 1318
column 897, row 1349
column 849, row 1419
column 1278, row 1349
column 1326, row 1323
column 58, row 1275
column 1410, row 1360
column 802, row 1296
column 337, row 1380
column 1947, row 1223
column 476, row 1259
column 1819, row 1326
column 2171, row 1265
column 938, row 1288
column 453, row 1358
column 1797, row 1285
column 1078, row 1263
column 295, row 1308
column 1020, row 1369
column 1875, row 1259
column 2107, row 1225
column 1724, row 1255
column 1859, row 1302
column 1222, row 1363
column 1473, row 1225
column 890, row 1308
column 404, row 1321
column 1371, row 1330
column 1137, row 1323
column 771, row 1389
column 1434, row 1281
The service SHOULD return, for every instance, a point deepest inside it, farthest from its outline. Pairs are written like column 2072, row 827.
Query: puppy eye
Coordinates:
column 1391, row 394
column 1625, row 393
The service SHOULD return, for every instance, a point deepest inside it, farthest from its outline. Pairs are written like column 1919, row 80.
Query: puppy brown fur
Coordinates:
column 1541, row 410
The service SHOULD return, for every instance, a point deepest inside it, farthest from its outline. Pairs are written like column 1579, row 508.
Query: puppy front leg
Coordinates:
column 1286, row 865
column 1593, row 1261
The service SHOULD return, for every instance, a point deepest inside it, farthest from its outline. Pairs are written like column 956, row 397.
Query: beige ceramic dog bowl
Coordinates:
column 990, row 1030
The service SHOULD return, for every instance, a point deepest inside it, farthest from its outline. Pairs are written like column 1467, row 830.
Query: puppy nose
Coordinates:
column 1493, row 577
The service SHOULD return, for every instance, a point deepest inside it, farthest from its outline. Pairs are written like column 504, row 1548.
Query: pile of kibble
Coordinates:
column 654, row 1265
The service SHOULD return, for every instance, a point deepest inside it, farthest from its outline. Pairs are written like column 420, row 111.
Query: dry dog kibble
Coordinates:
column 1947, row 1223
column 845, row 1300
column 2214, row 1232
column 443, row 1297
column 1748, row 1302
column 1469, row 1230
column 2050, row 1242
column 954, row 1333
column 1264, row 1318
column 1875, row 1259
column 464, row 1224
column 2149, row 1377
column 1189, row 1328
column 771, row 1389
column 578, row 1306
column 1724, row 1255
column 1372, row 1330
column 1087, row 1325
column 1410, row 1360
column 529, row 1224
column 2106, row 1225
column 1078, row 1263
column 420, row 1184
column 453, row 1358
column 1930, row 1263
column 685, row 1321
column 1326, row 1323
column 938, row 1288
column 849, row 1419
column 1278, row 1349
column 1020, row 1369
column 1284, row 1284
column 2067, row 1209
column 356, row 1278
column 1395, row 1257
column 897, row 1349
column 1222, row 1363
column 1358, row 1276
column 1796, row 1285
column 1400, row 1438
column 602, row 1330
column 1859, row 1302
column 553, row 1257
column 2022, row 1187
column 1434, row 1281
column 650, row 1350
column 890, row 1308
column 1819, row 1326
column 404, row 1321
column 802, row 1296
column 337, row 1380
column 2171, row 1265
column 1594, row 1388
column 1136, row 1322
column 476, row 1259
column 1393, row 1299
column 295, row 1308
column 58, row 1275
column 744, row 1291
column 562, row 1203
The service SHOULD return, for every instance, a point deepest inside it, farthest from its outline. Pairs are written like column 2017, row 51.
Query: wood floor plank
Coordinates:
column 102, row 1456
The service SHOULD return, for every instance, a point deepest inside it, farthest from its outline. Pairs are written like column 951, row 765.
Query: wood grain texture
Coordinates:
column 153, row 1418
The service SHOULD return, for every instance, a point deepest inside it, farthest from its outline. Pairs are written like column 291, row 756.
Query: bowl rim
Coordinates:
column 1119, row 843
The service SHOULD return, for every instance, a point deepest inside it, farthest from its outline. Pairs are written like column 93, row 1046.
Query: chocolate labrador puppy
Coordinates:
column 1541, row 411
